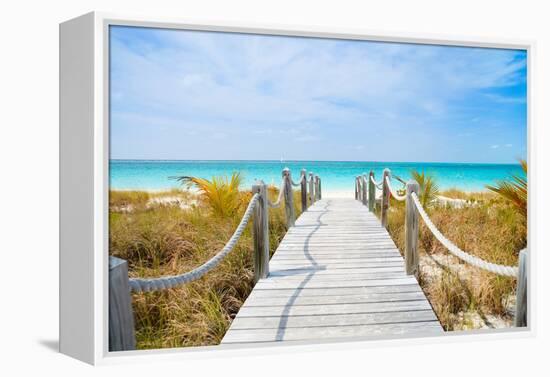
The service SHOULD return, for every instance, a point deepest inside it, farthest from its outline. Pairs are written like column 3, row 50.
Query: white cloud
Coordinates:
column 494, row 146
column 254, row 78
column 276, row 86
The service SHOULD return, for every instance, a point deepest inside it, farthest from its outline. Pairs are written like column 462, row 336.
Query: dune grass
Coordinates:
column 126, row 198
column 221, row 193
column 158, row 238
column 493, row 230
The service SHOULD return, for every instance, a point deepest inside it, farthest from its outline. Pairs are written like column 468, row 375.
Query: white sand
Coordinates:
column 173, row 200
column 338, row 194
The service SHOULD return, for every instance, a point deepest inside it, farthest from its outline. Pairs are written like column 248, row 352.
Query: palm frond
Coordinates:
column 514, row 189
column 220, row 193
column 429, row 189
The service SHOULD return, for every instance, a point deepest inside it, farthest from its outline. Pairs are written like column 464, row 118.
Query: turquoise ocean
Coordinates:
column 335, row 175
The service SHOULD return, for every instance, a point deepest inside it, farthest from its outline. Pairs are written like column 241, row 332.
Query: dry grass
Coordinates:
column 491, row 230
column 163, row 239
column 120, row 199
column 472, row 197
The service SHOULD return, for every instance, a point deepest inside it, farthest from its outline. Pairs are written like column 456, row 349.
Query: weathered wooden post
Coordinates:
column 521, row 291
column 356, row 188
column 411, row 230
column 317, row 188
column 121, row 316
column 364, row 189
column 360, row 179
column 311, row 190
column 385, row 199
column 261, row 233
column 289, row 199
column 303, row 187
column 360, row 188
column 372, row 192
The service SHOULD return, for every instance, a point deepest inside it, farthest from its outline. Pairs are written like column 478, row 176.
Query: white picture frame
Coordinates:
column 84, row 158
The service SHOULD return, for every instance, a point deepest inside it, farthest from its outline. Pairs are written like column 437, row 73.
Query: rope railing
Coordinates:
column 166, row 282
column 277, row 202
column 394, row 193
column 296, row 184
column 414, row 210
column 122, row 333
column 376, row 184
column 399, row 179
column 285, row 191
column 457, row 252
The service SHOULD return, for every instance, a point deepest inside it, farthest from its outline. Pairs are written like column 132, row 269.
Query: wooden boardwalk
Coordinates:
column 337, row 274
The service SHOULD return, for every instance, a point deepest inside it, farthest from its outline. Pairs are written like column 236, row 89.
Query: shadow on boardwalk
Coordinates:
column 315, row 267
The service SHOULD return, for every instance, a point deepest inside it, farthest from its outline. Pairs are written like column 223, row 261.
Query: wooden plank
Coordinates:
column 335, row 251
column 335, row 291
column 319, row 264
column 368, row 307
column 298, row 264
column 333, row 299
column 334, row 271
column 336, row 254
column 340, row 260
column 334, row 257
column 336, row 320
column 307, row 283
column 338, row 277
column 340, row 248
column 331, row 332
column 336, row 274
column 338, row 243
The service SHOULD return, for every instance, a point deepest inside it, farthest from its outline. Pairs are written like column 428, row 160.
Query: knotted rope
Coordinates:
column 394, row 193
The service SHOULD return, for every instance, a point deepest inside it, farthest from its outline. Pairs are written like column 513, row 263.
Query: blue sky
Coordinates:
column 204, row 95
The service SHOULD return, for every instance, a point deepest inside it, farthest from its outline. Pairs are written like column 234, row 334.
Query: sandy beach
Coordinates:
column 338, row 194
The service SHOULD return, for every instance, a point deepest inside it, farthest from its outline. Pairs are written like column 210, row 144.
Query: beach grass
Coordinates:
column 167, row 233
column 463, row 296
column 170, row 232
column 476, row 197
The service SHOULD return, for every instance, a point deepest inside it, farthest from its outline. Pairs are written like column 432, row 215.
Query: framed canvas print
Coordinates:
column 229, row 187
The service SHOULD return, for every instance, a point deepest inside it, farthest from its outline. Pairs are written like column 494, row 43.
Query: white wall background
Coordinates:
column 29, row 182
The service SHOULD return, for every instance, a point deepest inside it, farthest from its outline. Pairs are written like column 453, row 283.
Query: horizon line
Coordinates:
column 362, row 161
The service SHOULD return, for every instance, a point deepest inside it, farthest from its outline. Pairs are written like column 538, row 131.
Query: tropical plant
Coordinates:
column 428, row 189
column 220, row 193
column 514, row 189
